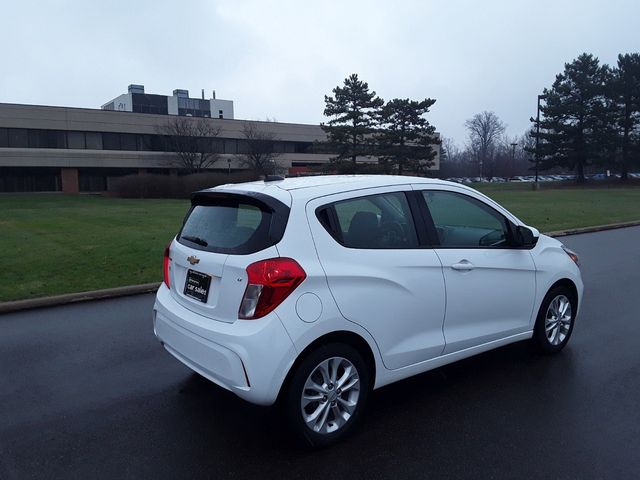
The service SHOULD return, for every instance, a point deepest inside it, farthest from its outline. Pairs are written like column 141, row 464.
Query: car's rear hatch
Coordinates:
column 223, row 233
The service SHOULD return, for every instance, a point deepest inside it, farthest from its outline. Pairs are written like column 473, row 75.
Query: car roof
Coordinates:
column 315, row 186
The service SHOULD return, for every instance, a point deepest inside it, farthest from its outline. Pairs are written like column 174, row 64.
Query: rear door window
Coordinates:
column 374, row 221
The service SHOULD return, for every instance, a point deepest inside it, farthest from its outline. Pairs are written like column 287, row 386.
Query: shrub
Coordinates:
column 147, row 185
column 199, row 181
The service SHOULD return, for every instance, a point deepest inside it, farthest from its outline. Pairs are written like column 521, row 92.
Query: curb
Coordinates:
column 15, row 306
column 31, row 303
column 599, row 228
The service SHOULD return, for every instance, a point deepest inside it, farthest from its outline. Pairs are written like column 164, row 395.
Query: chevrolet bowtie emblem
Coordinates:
column 193, row 259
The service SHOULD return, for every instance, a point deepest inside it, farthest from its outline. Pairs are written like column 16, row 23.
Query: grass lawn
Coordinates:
column 564, row 207
column 53, row 244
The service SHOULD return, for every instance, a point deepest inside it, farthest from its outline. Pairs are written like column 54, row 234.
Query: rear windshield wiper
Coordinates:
column 198, row 240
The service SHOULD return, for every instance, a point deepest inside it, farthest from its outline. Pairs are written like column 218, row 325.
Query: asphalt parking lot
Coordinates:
column 87, row 392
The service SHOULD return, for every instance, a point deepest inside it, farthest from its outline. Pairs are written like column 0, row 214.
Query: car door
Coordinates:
column 380, row 275
column 490, row 283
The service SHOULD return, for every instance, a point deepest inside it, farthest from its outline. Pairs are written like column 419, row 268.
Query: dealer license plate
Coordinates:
column 197, row 285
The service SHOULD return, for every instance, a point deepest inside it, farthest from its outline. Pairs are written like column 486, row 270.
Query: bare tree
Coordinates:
column 449, row 150
column 485, row 129
column 259, row 149
column 194, row 142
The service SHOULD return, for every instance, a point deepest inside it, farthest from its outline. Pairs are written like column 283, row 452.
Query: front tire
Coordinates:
column 555, row 321
column 327, row 394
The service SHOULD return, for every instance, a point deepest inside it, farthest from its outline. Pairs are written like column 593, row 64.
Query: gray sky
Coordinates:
column 278, row 58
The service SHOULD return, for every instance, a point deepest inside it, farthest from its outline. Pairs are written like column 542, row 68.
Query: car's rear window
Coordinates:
column 227, row 227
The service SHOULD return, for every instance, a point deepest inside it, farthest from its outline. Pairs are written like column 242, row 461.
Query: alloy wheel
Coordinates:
column 330, row 395
column 558, row 319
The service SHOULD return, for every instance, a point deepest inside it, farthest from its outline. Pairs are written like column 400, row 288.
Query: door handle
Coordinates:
column 463, row 265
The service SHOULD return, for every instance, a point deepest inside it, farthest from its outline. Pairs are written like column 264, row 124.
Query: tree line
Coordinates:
column 589, row 119
column 591, row 116
column 362, row 125
column 488, row 152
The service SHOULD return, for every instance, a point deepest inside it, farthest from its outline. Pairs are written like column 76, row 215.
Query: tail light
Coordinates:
column 165, row 265
column 269, row 283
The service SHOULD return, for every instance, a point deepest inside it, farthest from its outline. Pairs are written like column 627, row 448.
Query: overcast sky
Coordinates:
column 277, row 59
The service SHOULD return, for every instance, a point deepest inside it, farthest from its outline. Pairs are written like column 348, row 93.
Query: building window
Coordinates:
column 194, row 107
column 231, row 146
column 128, row 141
column 217, row 145
column 149, row 103
column 4, row 137
column 303, row 147
column 220, row 114
column 159, row 143
column 203, row 144
column 29, row 179
column 76, row 140
column 111, row 141
column 243, row 146
column 94, row 140
column 18, row 138
column 47, row 139
column 144, row 142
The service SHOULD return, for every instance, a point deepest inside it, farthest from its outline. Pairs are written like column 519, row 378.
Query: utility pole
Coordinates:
column 513, row 158
column 540, row 97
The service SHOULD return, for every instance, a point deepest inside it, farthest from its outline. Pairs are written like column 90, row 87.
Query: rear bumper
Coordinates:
column 248, row 357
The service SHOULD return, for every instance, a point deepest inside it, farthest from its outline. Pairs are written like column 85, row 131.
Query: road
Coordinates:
column 87, row 392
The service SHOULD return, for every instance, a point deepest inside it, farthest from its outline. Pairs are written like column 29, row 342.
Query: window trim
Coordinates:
column 428, row 219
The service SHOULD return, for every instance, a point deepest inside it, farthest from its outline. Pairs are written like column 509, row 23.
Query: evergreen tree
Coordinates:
column 353, row 109
column 575, row 124
column 625, row 94
column 406, row 139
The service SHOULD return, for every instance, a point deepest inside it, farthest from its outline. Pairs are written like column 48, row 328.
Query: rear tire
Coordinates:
column 327, row 394
column 555, row 321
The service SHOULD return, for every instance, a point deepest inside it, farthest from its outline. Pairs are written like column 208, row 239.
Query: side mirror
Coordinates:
column 526, row 237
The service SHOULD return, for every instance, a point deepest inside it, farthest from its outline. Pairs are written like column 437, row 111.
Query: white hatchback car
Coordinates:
column 314, row 291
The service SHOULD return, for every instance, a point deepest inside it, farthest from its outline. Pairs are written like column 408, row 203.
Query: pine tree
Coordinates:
column 625, row 94
column 575, row 123
column 354, row 110
column 406, row 139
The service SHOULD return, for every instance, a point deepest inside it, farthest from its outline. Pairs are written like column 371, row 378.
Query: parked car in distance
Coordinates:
column 312, row 292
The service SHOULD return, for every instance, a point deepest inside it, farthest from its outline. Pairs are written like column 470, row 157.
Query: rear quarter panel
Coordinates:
column 303, row 329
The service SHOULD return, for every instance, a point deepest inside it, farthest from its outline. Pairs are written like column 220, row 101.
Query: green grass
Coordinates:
column 53, row 244
column 560, row 208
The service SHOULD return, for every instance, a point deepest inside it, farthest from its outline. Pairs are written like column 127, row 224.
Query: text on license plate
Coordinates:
column 197, row 285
